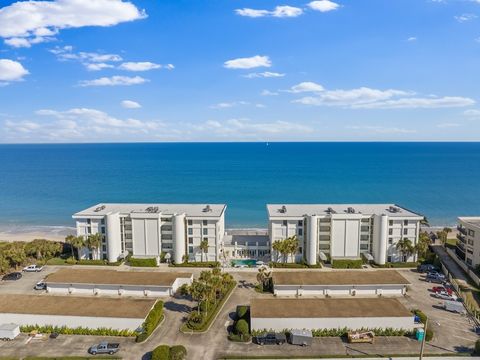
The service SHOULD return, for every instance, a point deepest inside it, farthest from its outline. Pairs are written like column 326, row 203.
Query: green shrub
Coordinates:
column 476, row 350
column 294, row 265
column 241, row 327
column 207, row 264
column 48, row 329
column 398, row 265
column 347, row 264
column 151, row 322
column 71, row 261
column 147, row 262
column 242, row 311
column 421, row 315
column 178, row 352
column 161, row 352
column 429, row 335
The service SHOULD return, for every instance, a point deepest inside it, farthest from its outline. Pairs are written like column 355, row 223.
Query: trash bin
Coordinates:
column 420, row 333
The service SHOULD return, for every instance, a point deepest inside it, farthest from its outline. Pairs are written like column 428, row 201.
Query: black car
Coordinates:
column 425, row 268
column 271, row 339
column 12, row 276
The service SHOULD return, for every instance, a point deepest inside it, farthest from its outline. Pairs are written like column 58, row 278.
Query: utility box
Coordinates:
column 9, row 331
column 420, row 334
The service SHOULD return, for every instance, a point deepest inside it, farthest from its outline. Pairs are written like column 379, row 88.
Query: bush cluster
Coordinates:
column 347, row 264
column 165, row 352
column 149, row 262
column 294, row 265
column 344, row 331
column 398, row 265
column 206, row 264
column 48, row 329
column 151, row 322
column 241, row 328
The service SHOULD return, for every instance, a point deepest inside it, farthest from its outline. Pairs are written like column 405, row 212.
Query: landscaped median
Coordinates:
column 211, row 291
column 197, row 264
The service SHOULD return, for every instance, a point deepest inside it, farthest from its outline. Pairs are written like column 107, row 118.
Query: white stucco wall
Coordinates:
column 71, row 321
column 280, row 324
column 321, row 290
column 109, row 290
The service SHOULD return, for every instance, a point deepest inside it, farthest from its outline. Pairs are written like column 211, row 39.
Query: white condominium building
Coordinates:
column 342, row 231
column 147, row 230
column 468, row 244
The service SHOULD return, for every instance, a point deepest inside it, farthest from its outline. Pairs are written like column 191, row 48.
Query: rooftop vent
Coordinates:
column 207, row 208
column 99, row 208
column 331, row 211
column 283, row 210
column 394, row 209
column 152, row 209
column 351, row 210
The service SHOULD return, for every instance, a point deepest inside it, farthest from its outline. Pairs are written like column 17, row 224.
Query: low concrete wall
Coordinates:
column 71, row 321
column 339, row 290
column 464, row 266
column 279, row 324
column 109, row 290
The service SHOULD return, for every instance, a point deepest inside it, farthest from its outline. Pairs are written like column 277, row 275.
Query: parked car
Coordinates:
column 435, row 277
column 424, row 268
column 12, row 276
column 445, row 296
column 300, row 337
column 32, row 268
column 271, row 339
column 454, row 306
column 53, row 335
column 104, row 348
column 437, row 289
column 41, row 285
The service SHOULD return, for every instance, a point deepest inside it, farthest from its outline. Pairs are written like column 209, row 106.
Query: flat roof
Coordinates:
column 114, row 277
column 193, row 210
column 471, row 220
column 360, row 277
column 299, row 210
column 75, row 306
column 327, row 308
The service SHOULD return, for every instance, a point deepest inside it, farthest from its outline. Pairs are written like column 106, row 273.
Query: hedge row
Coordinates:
column 294, row 265
column 165, row 352
column 344, row 331
column 204, row 264
column 397, row 265
column 48, row 329
column 151, row 322
column 148, row 262
column 347, row 264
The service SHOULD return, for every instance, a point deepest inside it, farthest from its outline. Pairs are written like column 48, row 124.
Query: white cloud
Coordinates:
column 38, row 21
column 139, row 66
column 411, row 39
column 465, row 17
column 472, row 114
column 98, row 66
column 11, row 70
column 323, row 5
column 248, row 63
column 226, row 105
column 283, row 11
column 245, row 128
column 114, row 81
column 306, row 86
column 368, row 98
column 268, row 93
column 382, row 129
column 447, row 125
column 129, row 104
column 265, row 74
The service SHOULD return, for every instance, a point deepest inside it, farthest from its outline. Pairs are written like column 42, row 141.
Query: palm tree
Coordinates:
column 405, row 247
column 277, row 248
column 76, row 242
column 291, row 246
column 422, row 246
column 15, row 253
column 264, row 274
column 197, row 292
column 93, row 243
column 204, row 247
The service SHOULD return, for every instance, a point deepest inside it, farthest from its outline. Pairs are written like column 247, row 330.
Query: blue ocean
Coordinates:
column 45, row 184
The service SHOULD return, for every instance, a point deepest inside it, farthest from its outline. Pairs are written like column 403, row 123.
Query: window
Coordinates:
column 390, row 241
column 405, row 222
column 390, row 231
column 390, row 222
column 190, row 240
column 205, row 222
column 102, row 222
column 469, row 261
column 103, row 230
column 300, row 249
column 190, row 222
column 300, row 232
column 285, row 223
column 205, row 231
column 89, row 221
column 104, row 248
column 389, row 259
column 190, row 249
column 405, row 231
column 190, row 231
column 471, row 233
column 300, row 222
column 167, row 246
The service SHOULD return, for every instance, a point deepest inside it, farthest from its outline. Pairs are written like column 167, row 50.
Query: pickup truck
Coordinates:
column 104, row 348
column 271, row 339
column 32, row 268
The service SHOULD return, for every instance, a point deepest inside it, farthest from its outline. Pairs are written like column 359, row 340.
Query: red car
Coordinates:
column 438, row 289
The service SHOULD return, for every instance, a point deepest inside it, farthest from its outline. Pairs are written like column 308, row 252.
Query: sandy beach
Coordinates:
column 30, row 233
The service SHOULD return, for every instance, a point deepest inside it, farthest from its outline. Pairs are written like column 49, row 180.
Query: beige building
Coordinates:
column 468, row 244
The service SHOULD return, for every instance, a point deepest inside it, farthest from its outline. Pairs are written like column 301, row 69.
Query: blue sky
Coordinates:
column 112, row 70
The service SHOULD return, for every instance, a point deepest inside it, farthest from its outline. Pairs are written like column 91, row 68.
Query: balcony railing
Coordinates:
column 461, row 238
column 461, row 229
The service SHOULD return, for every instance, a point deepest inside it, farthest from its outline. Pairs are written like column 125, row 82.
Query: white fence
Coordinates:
column 464, row 266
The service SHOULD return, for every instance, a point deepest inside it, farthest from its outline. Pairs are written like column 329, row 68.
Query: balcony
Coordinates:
column 461, row 238
column 462, row 230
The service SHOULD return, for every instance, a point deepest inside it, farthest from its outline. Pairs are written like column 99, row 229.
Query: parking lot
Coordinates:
column 453, row 332
column 26, row 283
